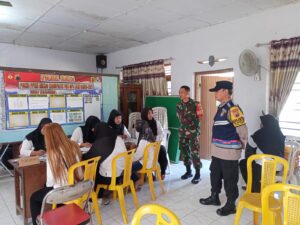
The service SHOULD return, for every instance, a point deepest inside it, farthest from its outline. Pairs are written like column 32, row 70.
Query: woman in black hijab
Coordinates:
column 115, row 122
column 107, row 145
column 151, row 130
column 84, row 135
column 268, row 140
column 34, row 143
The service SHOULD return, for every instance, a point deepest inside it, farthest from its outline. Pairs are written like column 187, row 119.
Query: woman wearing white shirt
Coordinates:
column 107, row 145
column 61, row 154
column 115, row 122
column 150, row 130
column 34, row 143
column 84, row 135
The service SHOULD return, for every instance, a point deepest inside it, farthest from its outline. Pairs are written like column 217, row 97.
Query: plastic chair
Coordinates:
column 2, row 164
column 89, row 168
column 127, row 182
column 160, row 211
column 68, row 214
column 154, row 167
column 252, row 201
column 133, row 117
column 291, row 203
column 168, row 134
column 294, row 151
column 160, row 114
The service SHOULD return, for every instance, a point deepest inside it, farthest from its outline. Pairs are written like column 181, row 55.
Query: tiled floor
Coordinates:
column 182, row 197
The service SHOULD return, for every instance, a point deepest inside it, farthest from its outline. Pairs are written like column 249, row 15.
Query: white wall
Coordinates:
column 223, row 40
column 47, row 59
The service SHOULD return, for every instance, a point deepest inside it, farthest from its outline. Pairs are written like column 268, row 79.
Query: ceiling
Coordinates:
column 104, row 26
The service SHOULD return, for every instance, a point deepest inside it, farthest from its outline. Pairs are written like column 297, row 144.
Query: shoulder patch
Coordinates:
column 236, row 116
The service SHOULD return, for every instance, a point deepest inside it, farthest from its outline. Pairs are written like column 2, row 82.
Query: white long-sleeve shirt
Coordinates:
column 26, row 148
column 77, row 135
column 106, row 166
column 126, row 132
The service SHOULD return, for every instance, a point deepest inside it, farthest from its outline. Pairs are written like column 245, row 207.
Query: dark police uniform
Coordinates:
column 229, row 137
column 224, row 136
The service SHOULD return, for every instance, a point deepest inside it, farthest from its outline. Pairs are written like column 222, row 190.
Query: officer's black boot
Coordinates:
column 196, row 178
column 211, row 200
column 227, row 209
column 188, row 173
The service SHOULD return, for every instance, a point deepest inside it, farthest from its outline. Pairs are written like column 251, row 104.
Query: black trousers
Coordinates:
column 227, row 170
column 162, row 159
column 256, row 174
column 104, row 180
column 36, row 201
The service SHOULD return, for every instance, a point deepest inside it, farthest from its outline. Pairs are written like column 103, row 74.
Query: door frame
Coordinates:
column 198, row 75
column 209, row 72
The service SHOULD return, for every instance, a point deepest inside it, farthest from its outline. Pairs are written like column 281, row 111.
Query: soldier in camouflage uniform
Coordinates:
column 189, row 131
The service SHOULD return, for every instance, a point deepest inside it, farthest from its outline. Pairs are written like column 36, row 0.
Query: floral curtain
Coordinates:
column 284, row 67
column 150, row 74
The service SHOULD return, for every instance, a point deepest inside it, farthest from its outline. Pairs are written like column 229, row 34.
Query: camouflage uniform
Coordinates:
column 189, row 131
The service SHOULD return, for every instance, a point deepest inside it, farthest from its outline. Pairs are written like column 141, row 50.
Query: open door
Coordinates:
column 203, row 82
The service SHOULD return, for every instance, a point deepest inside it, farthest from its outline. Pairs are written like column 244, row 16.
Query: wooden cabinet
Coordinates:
column 131, row 100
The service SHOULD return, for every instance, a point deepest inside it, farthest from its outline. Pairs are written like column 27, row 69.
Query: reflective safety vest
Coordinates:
column 227, row 118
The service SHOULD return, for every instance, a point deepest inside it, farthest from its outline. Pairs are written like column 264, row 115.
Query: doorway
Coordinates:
column 203, row 82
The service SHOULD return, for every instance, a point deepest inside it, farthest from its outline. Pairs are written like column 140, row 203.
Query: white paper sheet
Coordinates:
column 38, row 102
column 74, row 101
column 17, row 102
column 58, row 116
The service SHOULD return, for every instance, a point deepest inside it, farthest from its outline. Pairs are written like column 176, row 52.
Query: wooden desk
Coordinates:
column 28, row 179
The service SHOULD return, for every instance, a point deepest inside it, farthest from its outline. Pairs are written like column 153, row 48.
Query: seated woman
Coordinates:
column 150, row 130
column 84, row 135
column 61, row 154
column 268, row 140
column 115, row 122
column 34, row 143
column 107, row 145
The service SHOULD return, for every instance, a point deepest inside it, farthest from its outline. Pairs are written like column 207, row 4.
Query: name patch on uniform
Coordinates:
column 236, row 116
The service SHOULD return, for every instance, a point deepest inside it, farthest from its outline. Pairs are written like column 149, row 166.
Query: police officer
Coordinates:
column 229, row 137
column 189, row 131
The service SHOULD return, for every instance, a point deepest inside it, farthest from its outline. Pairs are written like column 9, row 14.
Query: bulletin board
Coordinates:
column 66, row 99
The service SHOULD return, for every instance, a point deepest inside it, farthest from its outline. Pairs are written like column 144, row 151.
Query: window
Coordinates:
column 289, row 118
column 168, row 77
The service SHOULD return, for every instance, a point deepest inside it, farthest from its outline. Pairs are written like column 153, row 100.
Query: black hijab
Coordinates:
column 269, row 139
column 152, row 123
column 104, row 143
column 37, row 137
column 111, row 122
column 87, row 133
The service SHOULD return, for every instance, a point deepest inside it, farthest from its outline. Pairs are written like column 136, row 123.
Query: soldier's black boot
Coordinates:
column 196, row 178
column 211, row 200
column 227, row 209
column 188, row 173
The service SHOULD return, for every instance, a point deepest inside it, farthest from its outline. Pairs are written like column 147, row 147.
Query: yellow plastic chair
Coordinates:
column 291, row 203
column 127, row 182
column 89, row 168
column 160, row 211
column 155, row 146
column 252, row 201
